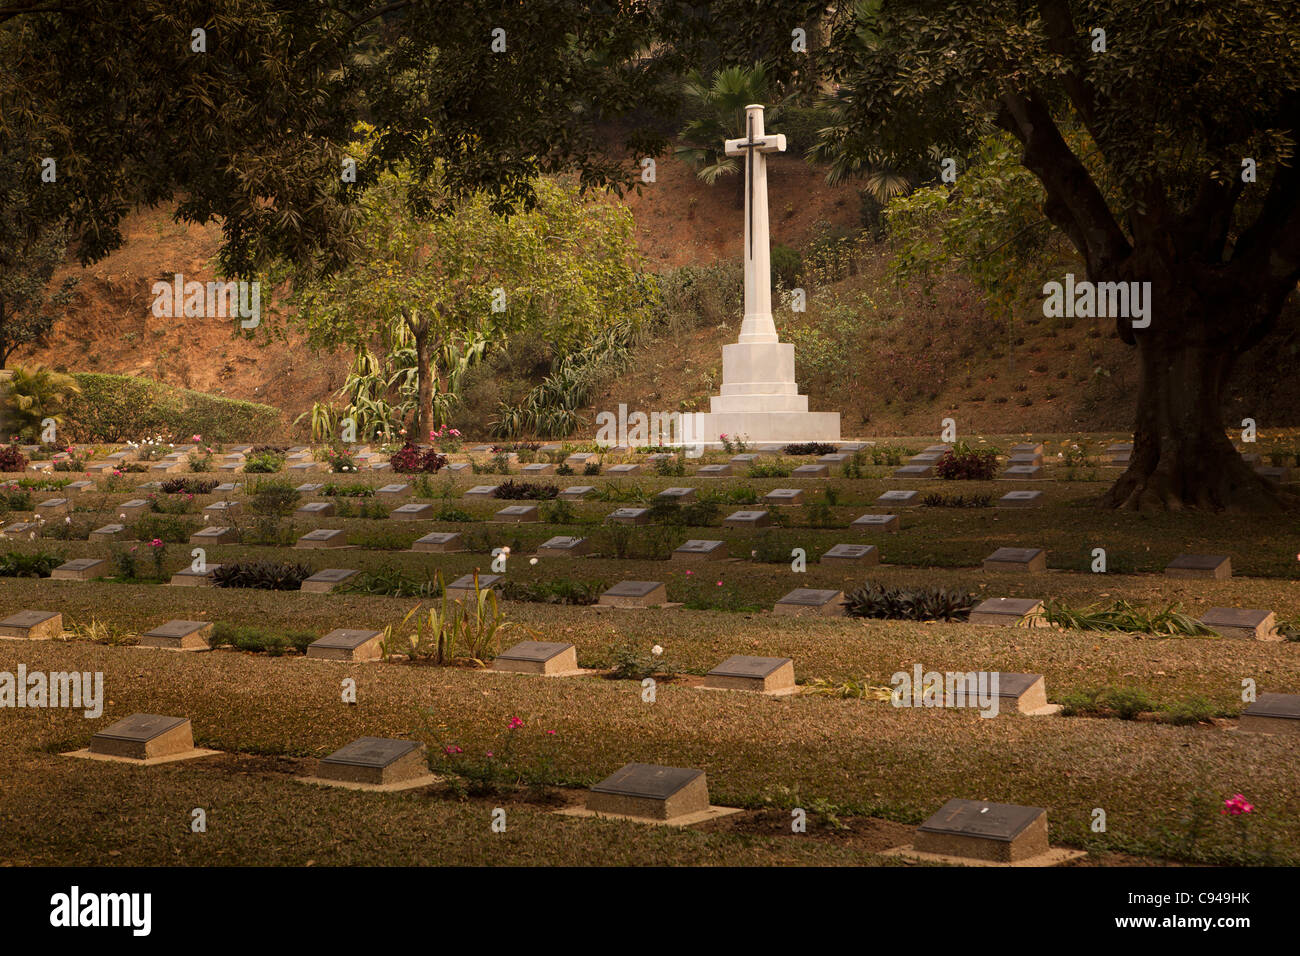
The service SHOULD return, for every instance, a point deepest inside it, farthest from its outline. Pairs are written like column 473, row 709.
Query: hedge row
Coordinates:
column 122, row 408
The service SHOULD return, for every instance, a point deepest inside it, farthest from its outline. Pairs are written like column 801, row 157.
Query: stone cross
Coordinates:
column 757, row 325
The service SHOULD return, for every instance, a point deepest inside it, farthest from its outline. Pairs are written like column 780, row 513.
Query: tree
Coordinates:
column 30, row 396
column 561, row 269
column 1189, row 113
column 719, row 102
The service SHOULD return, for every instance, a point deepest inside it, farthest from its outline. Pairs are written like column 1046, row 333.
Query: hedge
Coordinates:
column 126, row 408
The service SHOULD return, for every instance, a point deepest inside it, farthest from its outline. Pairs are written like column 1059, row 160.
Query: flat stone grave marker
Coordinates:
column 215, row 536
column 101, row 467
column 481, row 450
column 462, row 588
column 538, row 468
column 834, row 458
column 459, row 466
column 20, row 527
column 914, row 471
column 347, row 644
column 40, row 466
column 993, row 832
column 1118, row 447
column 133, row 508
column 563, row 546
column 576, row 492
column 327, row 579
column 623, row 470
column 1218, row 566
column 635, row 594
column 441, row 542
column 1245, row 623
column 784, row 496
column 165, row 467
column 396, row 490
column 747, row 519
column 231, row 467
column 240, row 449
column 700, row 549
column 745, row 459
column 538, row 657
column 118, row 457
column 323, row 538
column 227, row 488
column 1031, row 560
column 317, row 509
column 713, row 471
column 482, row 491
column 376, row 762
column 379, row 466
column 658, row 457
column 1274, row 473
column 578, row 458
column 811, row 471
column 224, row 508
column 1028, row 448
column 811, row 601
column 179, row 636
column 937, row 449
column 764, row 675
column 629, row 516
column 676, row 494
column 1023, row 612
column 412, row 511
column 1272, row 714
column 78, row 487
column 899, row 499
column 1025, row 459
column 80, row 569
column 650, row 792
column 1021, row 499
column 852, row 554
column 299, row 450
column 32, row 625
column 1023, row 473
column 926, row 458
column 146, row 737
column 189, row 578
column 514, row 514
column 109, row 532
column 309, row 488
column 1017, row 693
column 852, row 446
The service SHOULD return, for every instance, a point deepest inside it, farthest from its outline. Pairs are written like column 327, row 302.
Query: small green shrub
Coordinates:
column 925, row 603
column 263, row 575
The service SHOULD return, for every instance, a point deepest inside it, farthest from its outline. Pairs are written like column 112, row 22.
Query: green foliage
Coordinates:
column 526, row 491
column 719, row 102
column 249, row 638
column 936, row 500
column 1125, row 703
column 264, row 575
column 787, row 266
column 273, row 498
column 809, row 448
column 1122, row 616
column 32, row 395
column 267, row 463
column 554, row 591
column 927, row 603
column 20, row 564
column 169, row 528
column 964, row 463
column 768, row 469
column 120, row 407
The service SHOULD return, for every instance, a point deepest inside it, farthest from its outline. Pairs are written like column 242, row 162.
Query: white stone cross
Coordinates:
column 757, row 325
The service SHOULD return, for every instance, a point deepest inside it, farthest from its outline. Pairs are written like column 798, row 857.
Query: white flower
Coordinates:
column 532, row 560
column 122, row 515
column 505, row 550
column 656, row 650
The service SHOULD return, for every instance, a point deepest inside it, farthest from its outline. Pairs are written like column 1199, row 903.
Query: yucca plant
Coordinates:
column 33, row 395
column 1122, row 616
column 923, row 604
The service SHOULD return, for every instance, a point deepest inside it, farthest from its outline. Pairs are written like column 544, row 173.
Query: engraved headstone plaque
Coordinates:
column 1030, row 560
column 327, row 579
column 32, row 625
column 1216, row 566
column 538, row 657
column 651, row 792
column 179, row 635
column 811, row 601
column 347, row 644
column 144, row 737
column 996, row 832
column 767, row 675
column 635, row 594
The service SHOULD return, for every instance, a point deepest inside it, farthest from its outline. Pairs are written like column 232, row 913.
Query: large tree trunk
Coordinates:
column 424, row 379
column 1182, row 456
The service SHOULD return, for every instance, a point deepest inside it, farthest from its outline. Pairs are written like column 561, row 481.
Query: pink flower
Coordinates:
column 156, row 543
column 689, row 573
column 551, row 733
column 196, row 438
column 1236, row 805
column 491, row 754
column 719, row 584
column 515, row 723
column 452, row 749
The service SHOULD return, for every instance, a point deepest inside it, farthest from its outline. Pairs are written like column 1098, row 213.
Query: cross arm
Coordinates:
column 764, row 144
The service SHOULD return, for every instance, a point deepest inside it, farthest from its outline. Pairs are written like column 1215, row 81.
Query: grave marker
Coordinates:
column 516, row 514
column 32, row 625
column 323, row 538
column 189, row 578
column 1017, row 693
column 1027, row 560
column 1021, row 499
column 676, row 494
column 482, row 491
column 1217, row 566
column 1244, row 623
column 811, row 471
column 713, row 471
column 20, row 528
column 852, row 554
column 462, row 589
column 784, row 496
column 80, row 569
column 376, row 763
column 811, row 601
column 179, row 636
column 993, row 832
column 635, row 594
column 622, row 471
column 1272, row 714
column 629, row 516
column 224, row 508
column 899, row 499
column 700, row 549
column 1022, row 473
column 347, row 644
column 440, row 542
column 538, row 468
column 109, row 532
column 563, row 546
column 747, row 519
column 133, row 508
column 215, row 535
column 764, row 675
column 327, row 579
column 576, row 492
column 1013, row 612
column 538, row 657
column 413, row 511
column 914, row 471
column 317, row 509
column 309, row 488
column 650, row 792
column 389, row 492
column 144, row 739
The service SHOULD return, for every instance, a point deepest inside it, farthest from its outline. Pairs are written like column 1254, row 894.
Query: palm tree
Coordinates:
column 32, row 395
column 720, row 102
